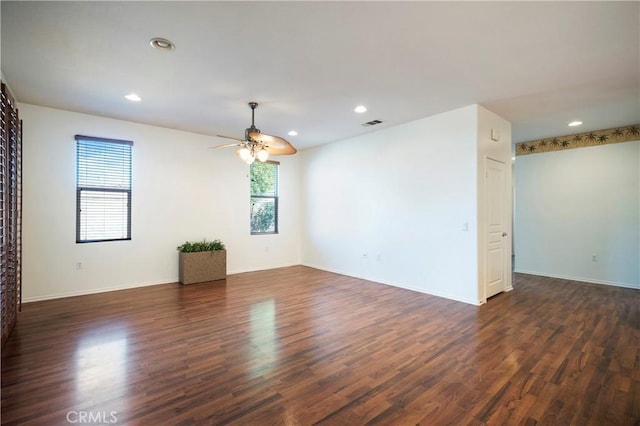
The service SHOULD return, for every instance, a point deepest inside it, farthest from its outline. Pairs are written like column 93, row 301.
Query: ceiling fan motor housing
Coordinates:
column 252, row 129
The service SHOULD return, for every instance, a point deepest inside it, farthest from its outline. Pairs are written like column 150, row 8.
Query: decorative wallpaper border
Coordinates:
column 580, row 140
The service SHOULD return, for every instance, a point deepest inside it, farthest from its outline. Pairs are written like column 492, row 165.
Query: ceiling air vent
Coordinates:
column 371, row 123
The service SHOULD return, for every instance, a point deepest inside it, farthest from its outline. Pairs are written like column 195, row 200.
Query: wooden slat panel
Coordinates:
column 11, row 212
column 6, row 317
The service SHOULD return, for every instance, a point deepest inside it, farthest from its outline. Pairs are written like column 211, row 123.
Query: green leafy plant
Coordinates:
column 192, row 247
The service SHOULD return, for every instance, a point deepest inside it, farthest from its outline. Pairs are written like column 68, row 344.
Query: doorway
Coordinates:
column 497, row 254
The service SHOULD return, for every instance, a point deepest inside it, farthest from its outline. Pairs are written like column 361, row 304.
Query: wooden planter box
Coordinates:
column 202, row 266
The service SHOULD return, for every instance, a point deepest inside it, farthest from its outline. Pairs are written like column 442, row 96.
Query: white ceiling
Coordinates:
column 308, row 64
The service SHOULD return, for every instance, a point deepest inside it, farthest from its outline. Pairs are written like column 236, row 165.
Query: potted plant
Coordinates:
column 202, row 261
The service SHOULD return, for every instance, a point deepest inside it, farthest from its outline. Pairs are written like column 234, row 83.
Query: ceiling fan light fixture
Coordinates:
column 244, row 153
column 250, row 159
column 263, row 155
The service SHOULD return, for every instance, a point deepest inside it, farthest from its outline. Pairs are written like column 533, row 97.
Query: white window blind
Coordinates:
column 103, row 189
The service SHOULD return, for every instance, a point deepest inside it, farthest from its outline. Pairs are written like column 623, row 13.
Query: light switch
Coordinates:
column 495, row 135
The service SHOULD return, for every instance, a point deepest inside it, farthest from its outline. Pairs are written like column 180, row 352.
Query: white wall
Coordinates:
column 576, row 203
column 181, row 191
column 390, row 206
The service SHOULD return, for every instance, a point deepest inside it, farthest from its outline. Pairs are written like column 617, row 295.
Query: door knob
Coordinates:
column 504, row 234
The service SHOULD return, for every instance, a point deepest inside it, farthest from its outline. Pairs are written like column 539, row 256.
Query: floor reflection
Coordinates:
column 101, row 368
column 263, row 337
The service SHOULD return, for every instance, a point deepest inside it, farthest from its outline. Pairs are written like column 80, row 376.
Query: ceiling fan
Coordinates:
column 257, row 145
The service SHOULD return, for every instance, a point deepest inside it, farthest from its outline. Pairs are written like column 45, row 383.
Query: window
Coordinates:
column 264, row 197
column 103, row 193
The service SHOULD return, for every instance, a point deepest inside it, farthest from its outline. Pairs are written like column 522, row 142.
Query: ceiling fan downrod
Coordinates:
column 253, row 127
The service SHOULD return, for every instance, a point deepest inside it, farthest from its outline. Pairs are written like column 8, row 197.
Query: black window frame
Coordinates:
column 79, row 188
column 275, row 199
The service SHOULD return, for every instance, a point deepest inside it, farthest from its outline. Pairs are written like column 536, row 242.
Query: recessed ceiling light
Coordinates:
column 133, row 97
column 293, row 133
column 360, row 109
column 575, row 123
column 162, row 44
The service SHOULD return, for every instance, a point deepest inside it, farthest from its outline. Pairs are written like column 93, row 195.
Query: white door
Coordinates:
column 496, row 267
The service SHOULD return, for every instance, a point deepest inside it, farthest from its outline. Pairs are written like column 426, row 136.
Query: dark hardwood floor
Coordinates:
column 298, row 346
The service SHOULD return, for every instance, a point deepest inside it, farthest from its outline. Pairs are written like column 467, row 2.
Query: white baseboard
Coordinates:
column 90, row 291
column 417, row 290
column 581, row 279
column 124, row 287
column 243, row 271
column 129, row 286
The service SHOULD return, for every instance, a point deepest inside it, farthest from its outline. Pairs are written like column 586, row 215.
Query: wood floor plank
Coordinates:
column 299, row 346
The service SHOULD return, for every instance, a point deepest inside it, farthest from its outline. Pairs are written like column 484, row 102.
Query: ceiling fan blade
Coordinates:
column 287, row 150
column 230, row 137
column 226, row 145
column 270, row 141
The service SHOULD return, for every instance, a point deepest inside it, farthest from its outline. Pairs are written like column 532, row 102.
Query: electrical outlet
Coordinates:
column 78, row 265
column 594, row 258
